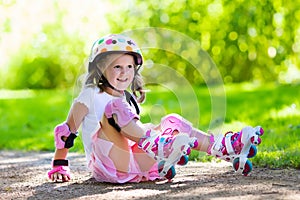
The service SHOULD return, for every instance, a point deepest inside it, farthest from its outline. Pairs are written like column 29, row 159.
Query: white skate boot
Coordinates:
column 237, row 147
column 167, row 150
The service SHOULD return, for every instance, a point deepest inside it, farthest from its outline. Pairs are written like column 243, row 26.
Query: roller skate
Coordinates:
column 237, row 147
column 167, row 150
column 174, row 122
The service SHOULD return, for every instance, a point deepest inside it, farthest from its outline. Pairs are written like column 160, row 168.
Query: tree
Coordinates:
column 248, row 40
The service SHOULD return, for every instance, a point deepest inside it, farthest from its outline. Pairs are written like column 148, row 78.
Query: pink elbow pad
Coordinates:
column 60, row 131
column 121, row 108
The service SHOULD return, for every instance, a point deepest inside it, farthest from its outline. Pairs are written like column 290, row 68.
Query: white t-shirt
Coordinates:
column 95, row 102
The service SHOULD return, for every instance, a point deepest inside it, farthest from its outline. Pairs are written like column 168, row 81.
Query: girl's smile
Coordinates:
column 121, row 80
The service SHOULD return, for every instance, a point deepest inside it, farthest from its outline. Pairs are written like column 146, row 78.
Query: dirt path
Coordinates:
column 23, row 176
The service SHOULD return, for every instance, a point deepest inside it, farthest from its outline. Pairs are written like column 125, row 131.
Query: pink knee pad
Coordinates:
column 120, row 107
column 60, row 131
column 173, row 122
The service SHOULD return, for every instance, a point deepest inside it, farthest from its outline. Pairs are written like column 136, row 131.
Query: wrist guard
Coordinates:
column 60, row 162
column 60, row 166
column 60, row 131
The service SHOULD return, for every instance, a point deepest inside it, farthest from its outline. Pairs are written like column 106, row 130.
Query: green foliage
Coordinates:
column 38, row 73
column 248, row 40
column 29, row 117
column 52, row 59
column 274, row 107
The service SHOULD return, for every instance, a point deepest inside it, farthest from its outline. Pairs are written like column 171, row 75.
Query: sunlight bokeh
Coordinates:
column 16, row 94
column 50, row 39
column 22, row 21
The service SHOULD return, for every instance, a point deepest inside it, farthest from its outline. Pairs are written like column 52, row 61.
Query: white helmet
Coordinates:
column 116, row 43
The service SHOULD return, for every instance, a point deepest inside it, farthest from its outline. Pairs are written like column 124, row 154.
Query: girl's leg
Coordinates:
column 166, row 149
column 174, row 123
column 134, row 131
column 232, row 147
column 203, row 139
column 144, row 161
column 119, row 152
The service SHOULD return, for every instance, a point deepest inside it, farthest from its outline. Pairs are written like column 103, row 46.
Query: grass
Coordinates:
column 28, row 117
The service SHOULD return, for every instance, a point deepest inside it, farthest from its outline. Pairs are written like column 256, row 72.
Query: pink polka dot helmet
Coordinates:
column 116, row 43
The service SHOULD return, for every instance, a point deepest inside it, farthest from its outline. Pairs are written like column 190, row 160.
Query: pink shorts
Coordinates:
column 104, row 170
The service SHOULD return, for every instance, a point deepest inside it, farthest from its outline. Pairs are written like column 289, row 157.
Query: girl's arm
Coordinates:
column 77, row 112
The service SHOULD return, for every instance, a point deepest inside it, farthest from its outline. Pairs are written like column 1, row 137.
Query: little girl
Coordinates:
column 119, row 148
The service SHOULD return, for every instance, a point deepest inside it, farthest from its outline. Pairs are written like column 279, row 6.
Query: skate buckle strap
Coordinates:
column 149, row 143
column 216, row 140
column 228, row 143
column 160, row 144
column 140, row 143
column 162, row 141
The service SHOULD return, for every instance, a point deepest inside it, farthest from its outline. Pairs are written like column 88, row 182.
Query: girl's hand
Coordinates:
column 57, row 177
column 60, row 174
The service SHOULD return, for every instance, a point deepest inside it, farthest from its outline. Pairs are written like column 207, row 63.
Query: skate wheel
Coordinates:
column 170, row 173
column 257, row 142
column 252, row 151
column 195, row 144
column 247, row 167
column 261, row 131
column 183, row 160
column 188, row 151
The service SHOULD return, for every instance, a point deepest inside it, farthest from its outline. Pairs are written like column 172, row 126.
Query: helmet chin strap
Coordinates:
column 103, row 81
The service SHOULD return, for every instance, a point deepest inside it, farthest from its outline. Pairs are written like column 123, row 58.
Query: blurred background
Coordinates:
column 250, row 48
column 44, row 44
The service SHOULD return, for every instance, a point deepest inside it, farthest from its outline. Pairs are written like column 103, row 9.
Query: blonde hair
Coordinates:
column 96, row 78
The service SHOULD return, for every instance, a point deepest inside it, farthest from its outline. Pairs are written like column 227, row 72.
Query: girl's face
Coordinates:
column 120, row 71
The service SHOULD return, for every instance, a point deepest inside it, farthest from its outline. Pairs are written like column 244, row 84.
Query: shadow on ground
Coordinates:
column 23, row 176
